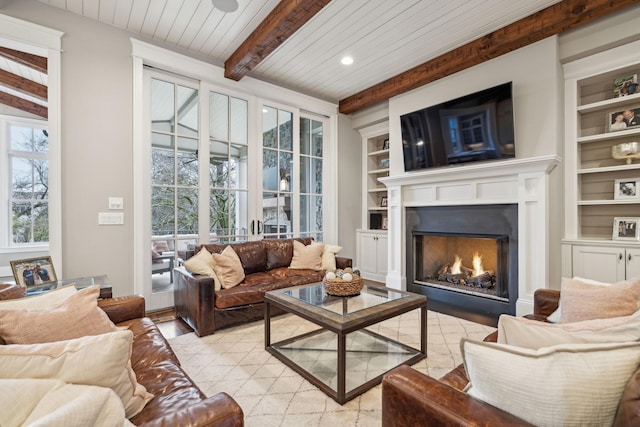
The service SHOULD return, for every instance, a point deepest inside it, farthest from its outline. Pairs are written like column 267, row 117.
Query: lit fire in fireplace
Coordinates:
column 459, row 274
column 477, row 264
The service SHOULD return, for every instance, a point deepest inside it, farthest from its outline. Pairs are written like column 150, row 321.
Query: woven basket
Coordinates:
column 340, row 288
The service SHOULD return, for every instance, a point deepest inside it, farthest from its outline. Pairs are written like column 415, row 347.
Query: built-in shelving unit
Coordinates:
column 375, row 141
column 590, row 170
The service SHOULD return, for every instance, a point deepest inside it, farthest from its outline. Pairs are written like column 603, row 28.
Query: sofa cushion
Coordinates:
column 228, row 268
column 43, row 300
column 78, row 315
column 583, row 301
column 279, row 252
column 307, row 257
column 569, row 384
column 532, row 334
column 202, row 263
column 253, row 255
column 557, row 314
column 329, row 257
column 100, row 360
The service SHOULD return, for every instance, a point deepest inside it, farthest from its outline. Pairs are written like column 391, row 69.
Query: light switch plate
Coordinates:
column 116, row 203
column 110, row 218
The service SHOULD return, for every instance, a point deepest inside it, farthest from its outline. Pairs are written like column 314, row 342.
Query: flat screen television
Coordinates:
column 473, row 128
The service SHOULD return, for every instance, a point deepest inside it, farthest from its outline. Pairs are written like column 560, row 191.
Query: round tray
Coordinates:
column 340, row 288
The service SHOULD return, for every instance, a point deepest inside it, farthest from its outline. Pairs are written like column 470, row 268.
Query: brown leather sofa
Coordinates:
column 177, row 400
column 411, row 398
column 265, row 264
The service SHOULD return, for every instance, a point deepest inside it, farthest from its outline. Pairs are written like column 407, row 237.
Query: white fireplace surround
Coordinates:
column 521, row 181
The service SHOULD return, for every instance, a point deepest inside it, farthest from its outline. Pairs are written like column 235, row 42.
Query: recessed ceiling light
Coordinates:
column 346, row 60
column 226, row 6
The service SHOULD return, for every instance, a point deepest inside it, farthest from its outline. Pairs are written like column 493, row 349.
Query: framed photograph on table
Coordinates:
column 623, row 119
column 626, row 189
column 33, row 271
column 626, row 228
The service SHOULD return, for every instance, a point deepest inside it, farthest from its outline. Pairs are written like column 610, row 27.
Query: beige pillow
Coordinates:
column 228, row 268
column 556, row 315
column 570, row 384
column 329, row 257
column 46, row 299
column 202, row 263
column 584, row 301
column 307, row 257
column 100, row 360
column 532, row 334
column 78, row 315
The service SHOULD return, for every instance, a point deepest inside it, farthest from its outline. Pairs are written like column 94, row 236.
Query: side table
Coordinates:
column 79, row 282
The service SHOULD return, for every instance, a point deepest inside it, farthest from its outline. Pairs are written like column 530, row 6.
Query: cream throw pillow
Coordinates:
column 100, row 360
column 329, row 257
column 584, row 301
column 78, row 315
column 43, row 300
column 571, row 384
column 307, row 257
column 228, row 268
column 532, row 334
column 556, row 315
column 202, row 263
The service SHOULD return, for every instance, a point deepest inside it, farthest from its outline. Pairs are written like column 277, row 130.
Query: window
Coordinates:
column 311, row 151
column 26, row 144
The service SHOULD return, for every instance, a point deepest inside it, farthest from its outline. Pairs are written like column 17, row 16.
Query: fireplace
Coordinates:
column 464, row 259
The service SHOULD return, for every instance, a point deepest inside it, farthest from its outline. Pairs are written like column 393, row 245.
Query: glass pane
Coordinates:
column 41, row 179
column 269, row 212
column 270, row 175
column 239, row 120
column 187, row 158
column 219, row 116
column 41, row 222
column 162, row 105
column 21, row 222
column 286, row 130
column 310, row 213
column 305, row 172
column 162, row 211
column 219, row 164
column 269, row 127
column 239, row 169
column 316, row 175
column 187, row 212
column 26, row 138
column 22, row 171
column 305, row 136
column 219, row 212
column 187, row 111
column 160, row 140
column 162, row 167
column 286, row 171
column 284, row 213
column 316, row 138
column 239, row 211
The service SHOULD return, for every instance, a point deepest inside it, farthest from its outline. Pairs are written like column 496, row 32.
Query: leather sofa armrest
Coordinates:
column 121, row 309
column 343, row 262
column 219, row 410
column 194, row 299
column 545, row 302
column 410, row 398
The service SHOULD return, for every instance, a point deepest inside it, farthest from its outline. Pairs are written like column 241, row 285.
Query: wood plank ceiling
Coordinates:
column 385, row 38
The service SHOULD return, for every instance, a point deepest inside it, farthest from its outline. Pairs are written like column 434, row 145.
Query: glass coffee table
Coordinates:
column 343, row 358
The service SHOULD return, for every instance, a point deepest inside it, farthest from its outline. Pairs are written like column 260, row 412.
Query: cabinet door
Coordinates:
column 633, row 263
column 367, row 258
column 603, row 264
column 381, row 255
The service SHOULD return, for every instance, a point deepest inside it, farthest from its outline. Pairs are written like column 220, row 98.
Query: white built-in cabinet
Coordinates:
column 591, row 204
column 372, row 237
column 372, row 254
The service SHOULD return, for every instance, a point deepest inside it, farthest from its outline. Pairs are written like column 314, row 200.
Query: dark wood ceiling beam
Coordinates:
column 26, row 86
column 550, row 21
column 283, row 21
column 23, row 104
column 38, row 63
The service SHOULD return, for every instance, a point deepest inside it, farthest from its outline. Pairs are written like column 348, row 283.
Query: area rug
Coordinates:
column 234, row 360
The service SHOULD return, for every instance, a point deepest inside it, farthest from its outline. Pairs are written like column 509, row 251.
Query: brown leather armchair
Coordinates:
column 411, row 398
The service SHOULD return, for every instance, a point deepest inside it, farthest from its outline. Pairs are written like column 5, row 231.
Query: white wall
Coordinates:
column 349, row 188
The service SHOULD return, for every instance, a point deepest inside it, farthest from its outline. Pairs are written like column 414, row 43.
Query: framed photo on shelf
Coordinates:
column 626, row 189
column 33, row 271
column 384, row 163
column 626, row 228
column 623, row 119
column 626, row 85
column 383, row 202
column 385, row 223
column 385, row 144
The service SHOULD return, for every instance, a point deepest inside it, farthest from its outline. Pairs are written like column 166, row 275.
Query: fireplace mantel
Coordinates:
column 524, row 182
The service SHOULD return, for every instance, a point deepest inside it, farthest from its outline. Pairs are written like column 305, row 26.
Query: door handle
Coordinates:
column 253, row 226
column 620, row 256
column 629, row 258
column 259, row 228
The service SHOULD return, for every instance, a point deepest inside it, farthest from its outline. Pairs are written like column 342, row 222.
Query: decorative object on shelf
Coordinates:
column 384, row 163
column 626, row 151
column 33, row 271
column 627, row 85
column 383, row 202
column 385, row 144
column 626, row 228
column 626, row 189
column 624, row 119
column 385, row 223
column 342, row 285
